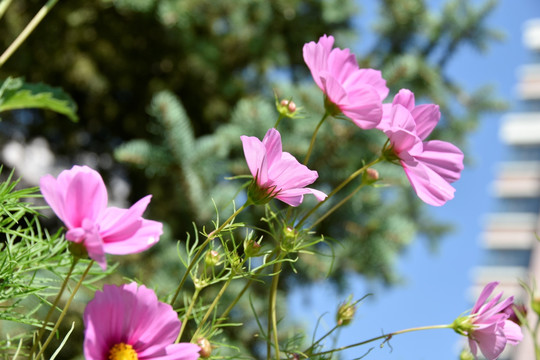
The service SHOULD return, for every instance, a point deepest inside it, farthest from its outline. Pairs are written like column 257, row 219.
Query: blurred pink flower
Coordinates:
column 492, row 328
column 79, row 198
column 128, row 322
column 430, row 165
column 276, row 173
column 357, row 93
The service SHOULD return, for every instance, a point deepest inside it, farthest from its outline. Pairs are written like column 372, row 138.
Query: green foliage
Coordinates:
column 207, row 69
column 15, row 94
column 33, row 264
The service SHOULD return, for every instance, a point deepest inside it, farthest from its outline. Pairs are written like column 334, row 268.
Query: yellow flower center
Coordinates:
column 122, row 352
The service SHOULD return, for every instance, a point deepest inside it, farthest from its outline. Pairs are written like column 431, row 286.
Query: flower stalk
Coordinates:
column 209, row 238
column 314, row 136
column 386, row 338
column 53, row 306
column 64, row 311
column 338, row 188
column 27, row 30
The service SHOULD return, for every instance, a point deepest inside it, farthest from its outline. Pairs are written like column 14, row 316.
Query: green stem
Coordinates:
column 272, row 317
column 239, row 296
column 3, row 6
column 338, row 188
column 313, row 138
column 27, row 31
column 308, row 351
column 281, row 117
column 535, row 339
column 212, row 306
column 188, row 313
column 53, row 306
column 215, row 302
column 387, row 337
column 335, row 207
column 235, row 301
column 209, row 238
column 64, row 311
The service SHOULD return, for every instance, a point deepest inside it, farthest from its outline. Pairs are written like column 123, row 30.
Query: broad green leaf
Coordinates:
column 16, row 94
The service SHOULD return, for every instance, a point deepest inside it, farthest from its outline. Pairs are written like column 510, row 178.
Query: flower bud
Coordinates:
column 251, row 248
column 206, row 347
column 345, row 313
column 370, row 176
column 212, row 258
column 289, row 238
column 466, row 355
column 286, row 108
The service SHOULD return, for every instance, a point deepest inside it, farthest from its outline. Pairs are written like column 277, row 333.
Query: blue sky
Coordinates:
column 435, row 290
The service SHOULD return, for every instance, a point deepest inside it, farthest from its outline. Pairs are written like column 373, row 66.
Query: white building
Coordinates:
column 510, row 232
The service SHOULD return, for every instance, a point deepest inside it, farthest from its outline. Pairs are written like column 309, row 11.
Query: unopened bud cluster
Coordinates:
column 251, row 248
column 212, row 258
column 286, row 108
column 206, row 347
column 370, row 176
column 345, row 313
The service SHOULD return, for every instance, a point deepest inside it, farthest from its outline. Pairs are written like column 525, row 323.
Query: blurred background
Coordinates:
column 165, row 88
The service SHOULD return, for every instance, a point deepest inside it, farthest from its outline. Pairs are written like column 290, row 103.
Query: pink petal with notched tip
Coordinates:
column 333, row 90
column 428, row 185
column 289, row 173
column 144, row 238
column 182, row 351
column 273, row 147
column 119, row 224
column 444, row 158
column 255, row 154
column 316, row 57
column 85, row 197
column 370, row 77
column 76, row 195
column 484, row 295
column 363, row 107
column 294, row 197
column 426, row 118
column 341, row 66
column 491, row 342
column 404, row 98
column 513, row 332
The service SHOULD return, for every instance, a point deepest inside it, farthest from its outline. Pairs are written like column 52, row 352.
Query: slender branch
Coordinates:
column 27, row 31
column 281, row 117
column 313, row 138
column 335, row 207
column 338, row 188
column 239, row 296
column 387, row 337
column 64, row 311
column 53, row 306
column 308, row 351
column 212, row 306
column 209, row 238
column 3, row 6
column 188, row 313
column 272, row 318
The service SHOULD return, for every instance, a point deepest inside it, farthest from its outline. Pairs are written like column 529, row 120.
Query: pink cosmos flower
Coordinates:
column 492, row 329
column 430, row 165
column 128, row 322
column 277, row 174
column 355, row 92
column 79, row 198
